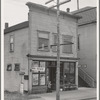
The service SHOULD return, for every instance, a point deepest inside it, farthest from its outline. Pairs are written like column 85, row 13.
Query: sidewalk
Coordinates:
column 80, row 94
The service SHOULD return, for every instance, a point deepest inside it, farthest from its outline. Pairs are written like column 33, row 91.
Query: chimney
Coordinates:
column 6, row 25
column 68, row 10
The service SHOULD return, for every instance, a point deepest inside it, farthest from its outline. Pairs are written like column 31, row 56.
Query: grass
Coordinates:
column 18, row 96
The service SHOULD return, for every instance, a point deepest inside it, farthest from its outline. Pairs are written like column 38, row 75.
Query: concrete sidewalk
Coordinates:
column 80, row 94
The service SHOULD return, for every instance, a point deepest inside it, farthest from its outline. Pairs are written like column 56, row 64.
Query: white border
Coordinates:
column 98, row 49
column 2, row 50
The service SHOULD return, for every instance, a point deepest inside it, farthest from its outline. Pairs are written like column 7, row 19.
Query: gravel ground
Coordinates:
column 18, row 96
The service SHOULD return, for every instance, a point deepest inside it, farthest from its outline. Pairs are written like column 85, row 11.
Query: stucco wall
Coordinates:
column 87, row 52
column 43, row 21
column 12, row 79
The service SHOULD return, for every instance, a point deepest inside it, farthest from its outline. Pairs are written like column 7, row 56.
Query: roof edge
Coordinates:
column 17, row 27
column 31, row 4
column 82, row 10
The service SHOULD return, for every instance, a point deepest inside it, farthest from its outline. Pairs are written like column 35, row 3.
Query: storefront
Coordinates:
column 44, row 71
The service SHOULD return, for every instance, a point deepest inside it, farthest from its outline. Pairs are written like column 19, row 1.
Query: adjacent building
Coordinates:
column 87, row 45
column 31, row 51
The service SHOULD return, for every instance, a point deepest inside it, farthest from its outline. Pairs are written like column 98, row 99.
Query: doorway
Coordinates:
column 52, row 77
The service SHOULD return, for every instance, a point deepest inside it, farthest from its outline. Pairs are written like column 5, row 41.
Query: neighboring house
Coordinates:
column 87, row 44
column 31, row 52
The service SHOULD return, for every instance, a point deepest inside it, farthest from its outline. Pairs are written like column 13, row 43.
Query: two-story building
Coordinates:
column 31, row 52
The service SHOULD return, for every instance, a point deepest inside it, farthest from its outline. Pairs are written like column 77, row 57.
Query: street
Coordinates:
column 80, row 94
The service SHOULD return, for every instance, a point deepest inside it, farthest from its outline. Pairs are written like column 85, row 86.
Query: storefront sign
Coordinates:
column 41, row 69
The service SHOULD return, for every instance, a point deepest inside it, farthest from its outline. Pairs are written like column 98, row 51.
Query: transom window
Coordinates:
column 43, row 41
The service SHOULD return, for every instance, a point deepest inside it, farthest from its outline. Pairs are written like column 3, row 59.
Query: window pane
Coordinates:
column 42, row 66
column 54, row 48
column 66, row 74
column 35, row 65
column 11, row 47
column 17, row 67
column 66, row 67
column 9, row 67
column 11, row 39
column 72, row 72
column 42, row 79
column 43, row 44
column 68, row 47
column 35, row 79
column 78, row 41
column 43, row 35
column 72, row 68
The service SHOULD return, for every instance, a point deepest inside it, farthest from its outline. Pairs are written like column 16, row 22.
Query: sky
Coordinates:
column 16, row 11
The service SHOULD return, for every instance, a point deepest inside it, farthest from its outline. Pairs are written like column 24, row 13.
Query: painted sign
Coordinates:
column 41, row 69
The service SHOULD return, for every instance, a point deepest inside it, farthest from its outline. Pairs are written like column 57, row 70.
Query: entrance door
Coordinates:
column 52, row 77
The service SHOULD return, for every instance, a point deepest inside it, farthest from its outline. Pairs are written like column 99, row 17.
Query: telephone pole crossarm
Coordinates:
column 49, row 1
column 61, row 3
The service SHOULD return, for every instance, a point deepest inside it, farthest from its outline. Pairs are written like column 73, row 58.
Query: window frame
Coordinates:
column 55, row 47
column 39, row 73
column 11, row 44
column 78, row 41
column 63, row 51
column 44, row 32
column 69, row 73
column 8, row 68
column 15, row 66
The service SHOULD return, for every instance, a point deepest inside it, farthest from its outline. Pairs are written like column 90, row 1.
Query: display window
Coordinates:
column 35, row 79
column 42, row 79
column 69, row 73
column 38, row 71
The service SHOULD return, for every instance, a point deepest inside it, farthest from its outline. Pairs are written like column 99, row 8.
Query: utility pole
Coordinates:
column 77, row 4
column 58, row 55
column 58, row 46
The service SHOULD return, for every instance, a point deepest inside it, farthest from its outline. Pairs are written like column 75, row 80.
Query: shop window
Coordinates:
column 17, row 67
column 35, row 79
column 38, row 72
column 54, row 48
column 9, row 67
column 11, row 43
column 42, row 79
column 69, row 72
column 67, row 44
column 43, row 41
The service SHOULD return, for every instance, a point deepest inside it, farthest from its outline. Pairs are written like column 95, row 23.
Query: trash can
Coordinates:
column 21, row 88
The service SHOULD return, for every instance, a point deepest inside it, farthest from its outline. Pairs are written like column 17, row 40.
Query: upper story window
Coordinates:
column 78, row 40
column 11, row 43
column 54, row 48
column 43, row 41
column 67, row 46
